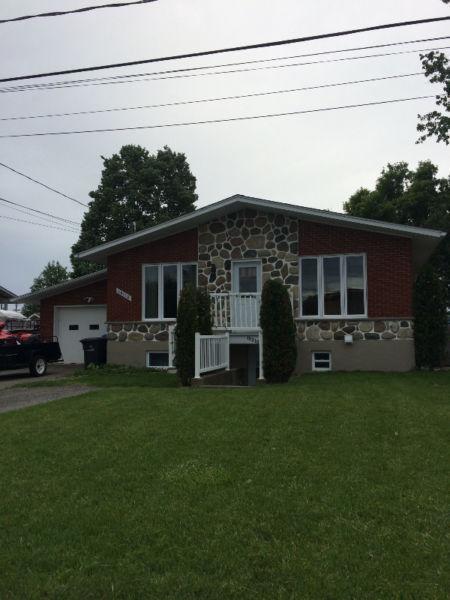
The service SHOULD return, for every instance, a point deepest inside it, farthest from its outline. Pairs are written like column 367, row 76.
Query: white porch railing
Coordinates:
column 236, row 311
column 212, row 352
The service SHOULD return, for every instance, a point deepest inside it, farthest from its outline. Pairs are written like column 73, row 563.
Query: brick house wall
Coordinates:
column 389, row 263
column 125, row 271
column 96, row 290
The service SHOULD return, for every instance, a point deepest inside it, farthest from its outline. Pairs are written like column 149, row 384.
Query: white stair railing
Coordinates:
column 236, row 311
column 212, row 352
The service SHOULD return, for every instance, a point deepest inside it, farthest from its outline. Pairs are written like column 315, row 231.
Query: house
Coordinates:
column 5, row 298
column 350, row 281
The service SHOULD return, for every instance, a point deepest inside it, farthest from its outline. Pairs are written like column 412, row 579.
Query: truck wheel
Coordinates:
column 38, row 366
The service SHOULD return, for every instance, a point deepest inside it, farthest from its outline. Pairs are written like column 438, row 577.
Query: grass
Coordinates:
column 334, row 486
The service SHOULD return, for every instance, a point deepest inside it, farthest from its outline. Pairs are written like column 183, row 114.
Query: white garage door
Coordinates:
column 74, row 323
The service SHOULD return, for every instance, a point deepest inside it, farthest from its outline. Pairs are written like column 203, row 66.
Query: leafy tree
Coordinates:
column 277, row 323
column 137, row 190
column 204, row 316
column 417, row 198
column 437, row 122
column 52, row 274
column 430, row 326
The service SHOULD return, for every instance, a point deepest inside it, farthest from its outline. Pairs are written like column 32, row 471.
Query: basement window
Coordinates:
column 321, row 361
column 158, row 360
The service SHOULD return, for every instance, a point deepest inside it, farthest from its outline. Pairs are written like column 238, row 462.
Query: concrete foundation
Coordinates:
column 133, row 354
column 364, row 355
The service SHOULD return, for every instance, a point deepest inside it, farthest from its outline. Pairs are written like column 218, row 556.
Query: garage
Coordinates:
column 73, row 323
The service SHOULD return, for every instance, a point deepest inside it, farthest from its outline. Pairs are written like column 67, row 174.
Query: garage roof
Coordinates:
column 424, row 240
column 5, row 294
column 65, row 286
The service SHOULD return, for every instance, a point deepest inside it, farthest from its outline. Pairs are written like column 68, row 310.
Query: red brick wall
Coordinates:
column 389, row 263
column 75, row 297
column 125, row 271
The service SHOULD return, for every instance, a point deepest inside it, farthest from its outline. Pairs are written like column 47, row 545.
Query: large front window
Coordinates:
column 161, row 288
column 333, row 286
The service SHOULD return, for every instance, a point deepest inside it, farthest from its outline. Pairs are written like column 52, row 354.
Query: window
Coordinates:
column 333, row 286
column 73, row 327
column 161, row 288
column 157, row 360
column 321, row 361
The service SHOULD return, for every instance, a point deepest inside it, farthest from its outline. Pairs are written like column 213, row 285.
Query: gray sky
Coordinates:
column 312, row 160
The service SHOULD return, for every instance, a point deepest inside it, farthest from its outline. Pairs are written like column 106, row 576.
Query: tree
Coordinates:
column 417, row 198
column 204, row 316
column 52, row 274
column 137, row 190
column 430, row 325
column 437, row 122
column 278, row 327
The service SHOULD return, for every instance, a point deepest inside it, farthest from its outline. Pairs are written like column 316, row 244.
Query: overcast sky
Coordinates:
column 314, row 160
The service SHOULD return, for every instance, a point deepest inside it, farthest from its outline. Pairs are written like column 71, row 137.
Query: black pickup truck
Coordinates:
column 33, row 354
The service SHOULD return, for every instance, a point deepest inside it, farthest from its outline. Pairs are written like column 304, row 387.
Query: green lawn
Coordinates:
column 332, row 487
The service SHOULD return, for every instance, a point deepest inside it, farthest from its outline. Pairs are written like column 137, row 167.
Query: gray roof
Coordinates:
column 5, row 294
column 65, row 286
column 424, row 240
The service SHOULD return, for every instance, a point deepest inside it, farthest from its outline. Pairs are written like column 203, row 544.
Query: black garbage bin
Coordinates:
column 94, row 351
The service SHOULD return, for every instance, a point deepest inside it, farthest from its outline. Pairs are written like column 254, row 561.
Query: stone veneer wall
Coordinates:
column 248, row 234
column 138, row 332
column 316, row 331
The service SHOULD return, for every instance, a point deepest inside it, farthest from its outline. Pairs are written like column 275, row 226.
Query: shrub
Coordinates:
column 430, row 319
column 204, row 312
column 277, row 323
column 185, row 334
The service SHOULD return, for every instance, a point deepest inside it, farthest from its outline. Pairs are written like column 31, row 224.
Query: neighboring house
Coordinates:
column 5, row 298
column 350, row 282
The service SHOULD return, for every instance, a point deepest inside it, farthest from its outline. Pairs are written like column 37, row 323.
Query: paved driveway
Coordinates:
column 17, row 398
column 54, row 371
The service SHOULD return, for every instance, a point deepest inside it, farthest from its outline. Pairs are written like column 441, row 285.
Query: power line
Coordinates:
column 271, row 44
column 209, row 121
column 69, row 221
column 74, row 11
column 42, row 184
column 266, row 67
column 45, row 219
column 34, row 223
column 219, row 66
column 205, row 100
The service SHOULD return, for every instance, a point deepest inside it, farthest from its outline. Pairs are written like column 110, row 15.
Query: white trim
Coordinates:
column 343, row 286
column 160, row 266
column 314, row 360
column 246, row 261
column 238, row 202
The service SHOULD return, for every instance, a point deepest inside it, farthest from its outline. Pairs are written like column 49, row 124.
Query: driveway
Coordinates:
column 55, row 371
column 17, row 398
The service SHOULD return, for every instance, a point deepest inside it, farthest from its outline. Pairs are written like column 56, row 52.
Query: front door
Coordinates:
column 245, row 297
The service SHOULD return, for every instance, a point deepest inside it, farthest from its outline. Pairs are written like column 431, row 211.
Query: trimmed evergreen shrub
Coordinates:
column 430, row 319
column 277, row 323
column 204, row 315
column 187, row 325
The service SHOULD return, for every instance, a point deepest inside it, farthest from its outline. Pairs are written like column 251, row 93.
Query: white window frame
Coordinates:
column 320, row 369
column 343, row 286
column 160, row 368
column 160, row 267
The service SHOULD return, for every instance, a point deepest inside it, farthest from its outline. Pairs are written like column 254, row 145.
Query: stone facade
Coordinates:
column 138, row 332
column 317, row 331
column 248, row 234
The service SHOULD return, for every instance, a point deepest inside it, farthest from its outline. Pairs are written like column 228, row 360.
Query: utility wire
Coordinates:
column 209, row 121
column 45, row 219
column 69, row 221
column 74, row 11
column 43, row 184
column 271, row 44
column 264, row 68
column 34, row 223
column 223, row 65
column 246, row 70
column 204, row 100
